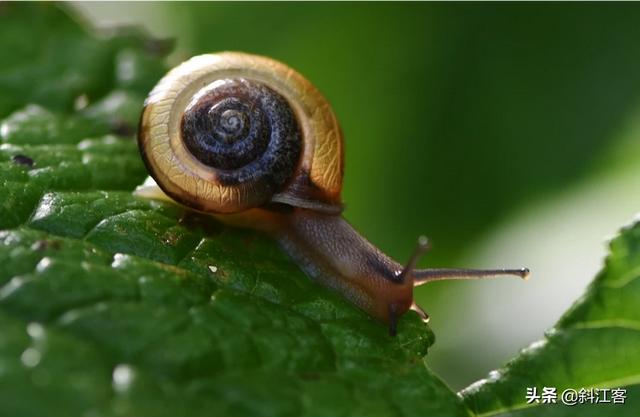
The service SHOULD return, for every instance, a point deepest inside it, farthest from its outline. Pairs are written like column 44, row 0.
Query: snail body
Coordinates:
column 250, row 141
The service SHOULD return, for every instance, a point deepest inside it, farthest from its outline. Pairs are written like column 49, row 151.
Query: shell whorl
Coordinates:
column 226, row 132
column 244, row 131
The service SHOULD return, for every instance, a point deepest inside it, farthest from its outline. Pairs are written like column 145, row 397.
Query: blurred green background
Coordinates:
column 507, row 133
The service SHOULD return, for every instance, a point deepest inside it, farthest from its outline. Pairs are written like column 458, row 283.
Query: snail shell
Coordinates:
column 227, row 132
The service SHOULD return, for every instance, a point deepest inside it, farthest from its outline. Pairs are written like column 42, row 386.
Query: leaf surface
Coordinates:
column 596, row 344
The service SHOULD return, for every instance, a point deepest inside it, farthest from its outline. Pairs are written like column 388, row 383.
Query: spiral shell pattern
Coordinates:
column 223, row 133
column 245, row 131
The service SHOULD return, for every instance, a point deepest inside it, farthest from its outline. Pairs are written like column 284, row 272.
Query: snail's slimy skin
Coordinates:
column 248, row 140
column 330, row 251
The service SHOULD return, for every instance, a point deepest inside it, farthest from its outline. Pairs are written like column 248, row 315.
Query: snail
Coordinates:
column 248, row 140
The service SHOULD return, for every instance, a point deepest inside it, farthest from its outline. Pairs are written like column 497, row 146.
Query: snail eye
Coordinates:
column 243, row 130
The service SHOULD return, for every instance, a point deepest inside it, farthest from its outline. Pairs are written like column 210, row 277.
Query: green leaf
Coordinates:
column 51, row 61
column 113, row 305
column 596, row 344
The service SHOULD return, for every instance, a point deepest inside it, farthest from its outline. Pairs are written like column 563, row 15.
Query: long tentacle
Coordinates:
column 422, row 276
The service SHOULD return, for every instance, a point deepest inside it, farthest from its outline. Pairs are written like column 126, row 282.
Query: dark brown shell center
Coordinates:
column 243, row 129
